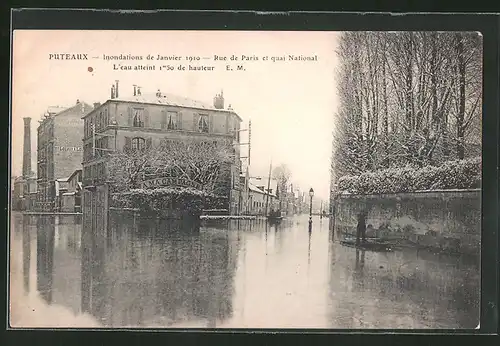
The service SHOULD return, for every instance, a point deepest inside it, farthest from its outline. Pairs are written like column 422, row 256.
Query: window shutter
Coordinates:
column 163, row 119
column 130, row 116
column 128, row 144
column 146, row 118
column 195, row 122
column 210, row 123
column 149, row 142
column 179, row 121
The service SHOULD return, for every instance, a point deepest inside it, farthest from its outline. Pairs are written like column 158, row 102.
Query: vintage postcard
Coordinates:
column 246, row 179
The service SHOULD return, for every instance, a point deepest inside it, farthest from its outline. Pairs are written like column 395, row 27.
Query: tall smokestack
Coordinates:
column 116, row 90
column 27, row 148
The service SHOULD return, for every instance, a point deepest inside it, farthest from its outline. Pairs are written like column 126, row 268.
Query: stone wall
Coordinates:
column 445, row 220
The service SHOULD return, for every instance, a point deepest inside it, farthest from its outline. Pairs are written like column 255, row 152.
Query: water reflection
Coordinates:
column 45, row 256
column 150, row 272
column 26, row 257
column 238, row 274
column 404, row 290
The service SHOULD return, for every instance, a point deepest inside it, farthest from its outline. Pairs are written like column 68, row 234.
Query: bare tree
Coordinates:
column 405, row 98
column 205, row 164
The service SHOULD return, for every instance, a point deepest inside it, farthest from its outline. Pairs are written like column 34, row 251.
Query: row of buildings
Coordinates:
column 72, row 143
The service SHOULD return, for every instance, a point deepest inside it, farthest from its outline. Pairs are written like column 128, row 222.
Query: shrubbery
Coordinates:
column 162, row 200
column 460, row 174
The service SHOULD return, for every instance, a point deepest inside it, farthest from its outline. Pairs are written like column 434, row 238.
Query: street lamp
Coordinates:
column 311, row 194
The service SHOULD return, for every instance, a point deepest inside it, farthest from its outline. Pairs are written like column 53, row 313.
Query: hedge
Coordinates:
column 189, row 200
column 459, row 174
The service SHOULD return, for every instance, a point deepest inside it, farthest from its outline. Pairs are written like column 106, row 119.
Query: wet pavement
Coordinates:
column 239, row 274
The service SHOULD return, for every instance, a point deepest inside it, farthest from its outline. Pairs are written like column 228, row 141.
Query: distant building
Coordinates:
column 141, row 121
column 59, row 151
column 257, row 195
column 69, row 197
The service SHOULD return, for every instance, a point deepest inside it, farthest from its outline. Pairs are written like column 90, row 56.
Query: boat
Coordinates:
column 373, row 244
column 274, row 216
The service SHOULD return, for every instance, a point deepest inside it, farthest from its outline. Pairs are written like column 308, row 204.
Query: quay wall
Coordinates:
column 447, row 220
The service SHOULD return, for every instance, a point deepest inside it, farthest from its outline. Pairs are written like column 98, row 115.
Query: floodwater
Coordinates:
column 246, row 274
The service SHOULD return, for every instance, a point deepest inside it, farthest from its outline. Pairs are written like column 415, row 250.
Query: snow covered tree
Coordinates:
column 204, row 164
column 406, row 98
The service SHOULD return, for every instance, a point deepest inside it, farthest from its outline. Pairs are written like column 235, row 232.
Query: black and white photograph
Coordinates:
column 246, row 179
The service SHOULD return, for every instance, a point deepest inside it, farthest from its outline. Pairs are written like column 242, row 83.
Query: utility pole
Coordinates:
column 268, row 185
column 93, row 140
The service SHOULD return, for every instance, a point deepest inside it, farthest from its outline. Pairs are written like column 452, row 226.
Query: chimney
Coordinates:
column 77, row 101
column 27, row 148
column 219, row 101
column 138, row 90
column 116, row 90
column 158, row 93
column 96, row 104
column 135, row 90
column 112, row 91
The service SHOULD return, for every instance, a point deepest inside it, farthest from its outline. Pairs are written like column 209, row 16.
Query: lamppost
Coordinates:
column 311, row 194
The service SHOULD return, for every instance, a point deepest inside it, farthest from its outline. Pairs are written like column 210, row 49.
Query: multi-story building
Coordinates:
column 59, row 150
column 257, row 194
column 144, row 120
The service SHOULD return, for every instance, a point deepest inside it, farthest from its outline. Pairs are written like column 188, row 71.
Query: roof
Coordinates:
column 56, row 109
column 59, row 110
column 254, row 188
column 73, row 174
column 262, row 181
column 62, row 180
column 170, row 100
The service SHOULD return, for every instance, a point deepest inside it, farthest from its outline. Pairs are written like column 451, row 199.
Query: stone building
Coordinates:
column 145, row 120
column 70, row 197
column 59, row 151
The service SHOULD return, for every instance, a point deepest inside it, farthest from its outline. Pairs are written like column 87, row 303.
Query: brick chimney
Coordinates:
column 112, row 91
column 27, row 148
column 219, row 100
column 116, row 89
column 138, row 90
column 135, row 90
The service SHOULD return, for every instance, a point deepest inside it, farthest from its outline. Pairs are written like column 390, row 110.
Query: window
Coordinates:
column 138, row 120
column 171, row 121
column 203, row 123
column 138, row 143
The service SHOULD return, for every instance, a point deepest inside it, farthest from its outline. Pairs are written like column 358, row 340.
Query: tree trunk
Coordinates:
column 386, row 112
column 461, row 107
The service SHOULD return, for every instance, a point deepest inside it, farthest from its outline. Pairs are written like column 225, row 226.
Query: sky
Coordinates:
column 290, row 103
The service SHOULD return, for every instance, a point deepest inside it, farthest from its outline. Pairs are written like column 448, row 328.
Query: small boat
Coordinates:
column 274, row 216
column 371, row 245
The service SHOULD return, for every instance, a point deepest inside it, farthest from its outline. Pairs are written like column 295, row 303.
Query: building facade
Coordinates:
column 70, row 197
column 258, row 193
column 59, row 150
column 146, row 120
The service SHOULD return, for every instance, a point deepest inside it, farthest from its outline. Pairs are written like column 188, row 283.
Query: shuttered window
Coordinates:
column 138, row 117
column 203, row 123
column 172, row 120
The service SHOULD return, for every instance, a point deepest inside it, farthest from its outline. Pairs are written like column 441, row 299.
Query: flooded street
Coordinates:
column 243, row 274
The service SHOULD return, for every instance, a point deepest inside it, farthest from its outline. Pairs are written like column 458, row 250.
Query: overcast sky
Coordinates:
column 290, row 103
